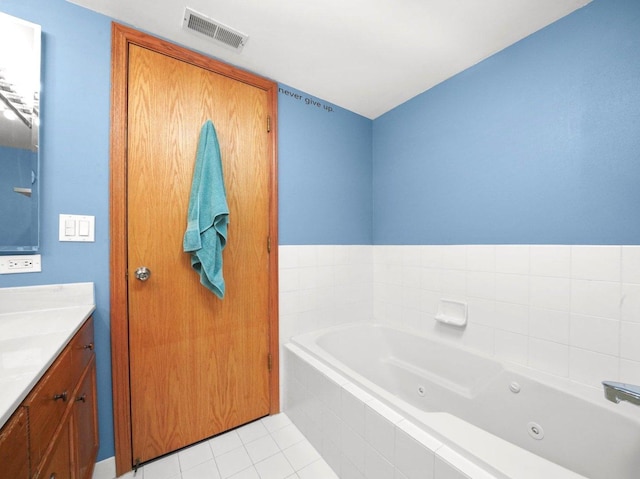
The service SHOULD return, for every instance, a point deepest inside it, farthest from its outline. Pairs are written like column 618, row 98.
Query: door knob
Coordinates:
column 143, row 273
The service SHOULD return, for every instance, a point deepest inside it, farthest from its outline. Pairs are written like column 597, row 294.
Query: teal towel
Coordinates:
column 208, row 215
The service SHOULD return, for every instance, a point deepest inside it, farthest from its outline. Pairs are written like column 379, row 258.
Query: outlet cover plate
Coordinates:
column 26, row 263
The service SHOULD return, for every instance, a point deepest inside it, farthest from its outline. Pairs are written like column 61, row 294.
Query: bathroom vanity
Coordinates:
column 48, row 408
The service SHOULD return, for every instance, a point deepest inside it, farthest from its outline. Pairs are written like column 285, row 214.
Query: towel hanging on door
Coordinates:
column 208, row 215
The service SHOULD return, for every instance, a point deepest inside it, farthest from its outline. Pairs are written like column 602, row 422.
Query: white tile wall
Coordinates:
column 322, row 286
column 572, row 311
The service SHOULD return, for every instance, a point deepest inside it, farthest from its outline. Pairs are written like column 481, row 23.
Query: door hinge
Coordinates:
column 268, row 124
column 269, row 362
column 268, row 244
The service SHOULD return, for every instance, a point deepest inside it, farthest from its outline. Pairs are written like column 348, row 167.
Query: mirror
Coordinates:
column 19, row 127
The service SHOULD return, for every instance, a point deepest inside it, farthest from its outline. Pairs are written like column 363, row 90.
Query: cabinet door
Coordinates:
column 85, row 424
column 48, row 404
column 58, row 465
column 14, row 450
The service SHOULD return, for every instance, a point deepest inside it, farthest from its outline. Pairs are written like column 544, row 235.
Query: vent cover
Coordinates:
column 198, row 23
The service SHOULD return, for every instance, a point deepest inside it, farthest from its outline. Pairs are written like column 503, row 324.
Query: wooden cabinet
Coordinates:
column 54, row 433
column 57, row 464
column 47, row 405
column 14, row 446
column 84, row 425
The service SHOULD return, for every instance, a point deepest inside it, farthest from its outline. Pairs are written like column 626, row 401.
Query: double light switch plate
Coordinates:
column 77, row 228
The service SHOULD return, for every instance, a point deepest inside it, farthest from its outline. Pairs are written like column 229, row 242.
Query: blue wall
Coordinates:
column 325, row 175
column 540, row 143
column 324, row 171
column 74, row 163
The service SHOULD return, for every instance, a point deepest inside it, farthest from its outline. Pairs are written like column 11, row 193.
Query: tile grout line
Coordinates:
column 243, row 444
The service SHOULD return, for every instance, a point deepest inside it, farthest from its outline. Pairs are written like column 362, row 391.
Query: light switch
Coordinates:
column 83, row 228
column 77, row 228
column 69, row 228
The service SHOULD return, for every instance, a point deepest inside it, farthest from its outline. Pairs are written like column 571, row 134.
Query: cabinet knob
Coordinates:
column 53, row 475
column 89, row 346
column 62, row 396
column 82, row 398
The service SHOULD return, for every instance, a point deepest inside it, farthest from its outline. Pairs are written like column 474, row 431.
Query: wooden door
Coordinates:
column 198, row 365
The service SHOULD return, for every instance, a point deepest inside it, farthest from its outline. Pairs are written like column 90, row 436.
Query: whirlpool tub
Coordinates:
column 381, row 402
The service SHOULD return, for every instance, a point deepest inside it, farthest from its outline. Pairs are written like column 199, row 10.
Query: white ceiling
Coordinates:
column 367, row 56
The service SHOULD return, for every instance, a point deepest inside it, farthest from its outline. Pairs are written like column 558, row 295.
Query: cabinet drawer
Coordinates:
column 82, row 349
column 47, row 404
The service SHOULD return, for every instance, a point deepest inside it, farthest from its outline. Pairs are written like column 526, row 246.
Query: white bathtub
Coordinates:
column 474, row 414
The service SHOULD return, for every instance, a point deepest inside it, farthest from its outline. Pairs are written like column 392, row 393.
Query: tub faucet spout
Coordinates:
column 616, row 392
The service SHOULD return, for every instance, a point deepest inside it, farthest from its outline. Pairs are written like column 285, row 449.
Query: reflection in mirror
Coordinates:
column 19, row 126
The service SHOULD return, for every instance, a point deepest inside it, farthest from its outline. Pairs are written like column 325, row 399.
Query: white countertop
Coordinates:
column 36, row 323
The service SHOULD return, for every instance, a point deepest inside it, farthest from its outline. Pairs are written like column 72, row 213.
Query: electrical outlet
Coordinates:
column 20, row 264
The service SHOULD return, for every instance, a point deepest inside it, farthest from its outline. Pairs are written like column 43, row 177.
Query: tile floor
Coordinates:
column 270, row 448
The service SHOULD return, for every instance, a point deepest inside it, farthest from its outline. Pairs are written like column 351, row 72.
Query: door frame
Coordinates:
column 121, row 38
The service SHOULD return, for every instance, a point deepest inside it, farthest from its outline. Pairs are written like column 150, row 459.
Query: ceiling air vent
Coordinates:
column 196, row 22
